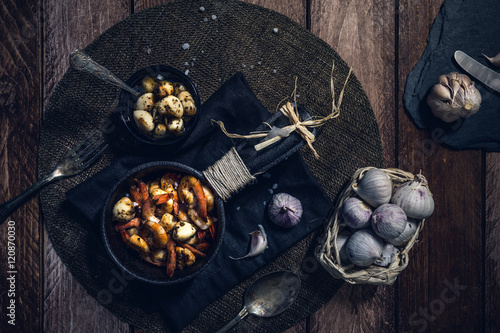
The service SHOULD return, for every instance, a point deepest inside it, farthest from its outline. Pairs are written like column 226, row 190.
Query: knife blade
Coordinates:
column 482, row 73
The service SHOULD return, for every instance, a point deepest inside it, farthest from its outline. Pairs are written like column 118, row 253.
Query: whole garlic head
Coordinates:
column 453, row 97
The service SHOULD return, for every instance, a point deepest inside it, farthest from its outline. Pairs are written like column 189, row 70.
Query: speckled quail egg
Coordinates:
column 145, row 102
column 188, row 103
column 183, row 231
column 148, row 84
column 160, row 131
column 123, row 210
column 163, row 89
column 144, row 121
column 175, row 126
column 170, row 106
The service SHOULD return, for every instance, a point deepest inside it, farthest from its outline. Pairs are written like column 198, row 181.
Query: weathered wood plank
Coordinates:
column 441, row 288
column 362, row 33
column 20, row 291
column 492, row 243
column 70, row 25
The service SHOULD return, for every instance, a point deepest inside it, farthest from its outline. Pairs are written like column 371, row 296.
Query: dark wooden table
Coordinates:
column 453, row 279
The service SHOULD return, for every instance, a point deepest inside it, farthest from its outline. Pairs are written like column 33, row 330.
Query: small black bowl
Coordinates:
column 127, row 101
column 129, row 260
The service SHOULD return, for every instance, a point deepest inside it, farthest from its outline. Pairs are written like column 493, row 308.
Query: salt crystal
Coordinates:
column 275, row 186
column 205, row 20
column 238, row 208
column 202, row 51
column 194, row 59
column 251, row 66
column 259, row 62
column 185, row 46
column 192, row 64
column 243, row 65
column 270, row 191
column 202, row 9
column 264, row 203
column 214, row 17
column 148, row 51
column 159, row 77
column 275, row 30
column 274, row 71
column 186, row 63
column 186, row 72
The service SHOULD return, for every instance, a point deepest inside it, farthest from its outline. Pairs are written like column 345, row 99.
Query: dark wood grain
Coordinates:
column 70, row 25
column 362, row 33
column 492, row 243
column 441, row 289
column 19, row 129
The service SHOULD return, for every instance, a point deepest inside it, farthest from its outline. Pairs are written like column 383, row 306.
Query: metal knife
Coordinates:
column 482, row 73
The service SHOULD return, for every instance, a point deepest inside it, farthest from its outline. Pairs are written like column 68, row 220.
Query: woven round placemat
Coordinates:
column 227, row 37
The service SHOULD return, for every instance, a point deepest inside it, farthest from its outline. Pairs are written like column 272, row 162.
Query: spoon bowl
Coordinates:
column 268, row 296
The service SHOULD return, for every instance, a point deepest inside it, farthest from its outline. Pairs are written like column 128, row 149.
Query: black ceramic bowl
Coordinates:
column 129, row 260
column 127, row 101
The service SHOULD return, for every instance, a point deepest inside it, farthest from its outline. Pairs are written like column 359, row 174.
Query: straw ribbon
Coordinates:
column 296, row 124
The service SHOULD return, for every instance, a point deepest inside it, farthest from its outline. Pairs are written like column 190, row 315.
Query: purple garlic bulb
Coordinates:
column 356, row 213
column 285, row 210
column 389, row 221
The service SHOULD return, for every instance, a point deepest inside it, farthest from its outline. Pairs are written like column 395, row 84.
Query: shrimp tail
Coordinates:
column 135, row 222
column 192, row 249
column 171, row 257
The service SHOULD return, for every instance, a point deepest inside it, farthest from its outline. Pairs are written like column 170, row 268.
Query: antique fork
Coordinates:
column 75, row 161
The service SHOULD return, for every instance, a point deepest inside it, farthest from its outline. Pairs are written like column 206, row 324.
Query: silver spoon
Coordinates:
column 80, row 60
column 268, row 296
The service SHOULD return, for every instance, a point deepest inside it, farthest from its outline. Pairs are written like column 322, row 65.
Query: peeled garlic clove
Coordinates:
column 408, row 232
column 454, row 97
column 389, row 221
column 258, row 243
column 342, row 238
column 144, row 121
column 123, row 210
column 389, row 253
column 495, row 61
column 145, row 102
column 415, row 198
column 364, row 248
column 356, row 213
column 375, row 187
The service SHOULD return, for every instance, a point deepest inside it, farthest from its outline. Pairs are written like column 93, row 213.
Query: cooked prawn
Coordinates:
column 135, row 242
column 189, row 189
column 148, row 211
column 200, row 223
column 159, row 234
column 185, row 257
column 193, row 250
column 135, row 222
column 209, row 196
column 172, row 261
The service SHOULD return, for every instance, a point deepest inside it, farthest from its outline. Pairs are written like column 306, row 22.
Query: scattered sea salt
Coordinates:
column 192, row 64
column 202, row 9
column 202, row 51
column 186, row 63
column 185, row 46
column 243, row 65
column 270, row 191
column 214, row 17
column 251, row 66
column 238, row 208
column 148, row 50
column 275, row 30
column 275, row 186
column 274, row 71
column 186, row 72
column 264, row 203
column 205, row 20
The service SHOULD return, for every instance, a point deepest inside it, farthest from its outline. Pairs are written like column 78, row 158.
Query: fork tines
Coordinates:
column 87, row 151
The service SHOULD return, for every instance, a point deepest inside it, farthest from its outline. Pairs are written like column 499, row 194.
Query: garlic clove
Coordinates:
column 374, row 187
column 342, row 238
column 389, row 254
column 356, row 213
column 408, row 232
column 415, row 198
column 389, row 221
column 258, row 243
column 364, row 248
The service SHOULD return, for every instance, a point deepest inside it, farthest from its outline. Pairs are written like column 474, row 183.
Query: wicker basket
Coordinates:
column 327, row 252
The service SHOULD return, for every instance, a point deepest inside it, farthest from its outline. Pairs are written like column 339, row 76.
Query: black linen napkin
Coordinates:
column 472, row 27
column 236, row 105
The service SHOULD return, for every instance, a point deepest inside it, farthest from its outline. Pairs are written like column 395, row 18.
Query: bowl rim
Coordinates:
column 103, row 221
column 127, row 116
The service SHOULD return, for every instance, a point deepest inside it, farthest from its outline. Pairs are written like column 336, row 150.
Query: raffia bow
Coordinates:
column 296, row 124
